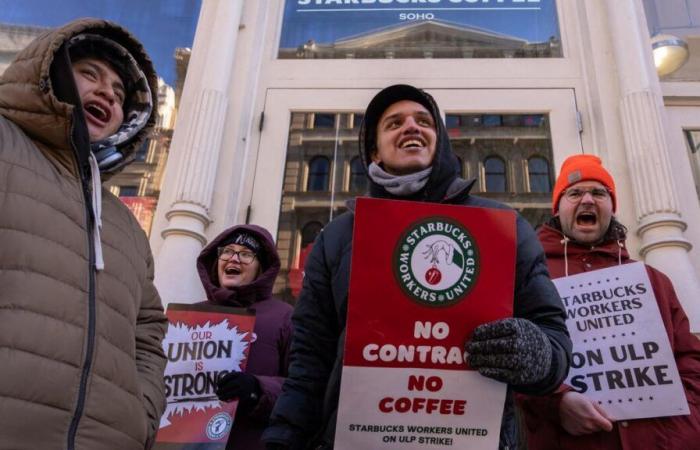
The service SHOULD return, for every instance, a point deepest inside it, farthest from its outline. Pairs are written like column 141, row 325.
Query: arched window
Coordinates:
column 495, row 171
column 538, row 173
column 319, row 169
column 309, row 233
column 358, row 178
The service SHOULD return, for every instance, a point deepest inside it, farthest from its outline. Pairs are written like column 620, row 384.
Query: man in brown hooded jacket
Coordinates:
column 81, row 323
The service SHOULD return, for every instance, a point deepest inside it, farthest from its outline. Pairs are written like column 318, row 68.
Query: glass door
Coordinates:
column 308, row 162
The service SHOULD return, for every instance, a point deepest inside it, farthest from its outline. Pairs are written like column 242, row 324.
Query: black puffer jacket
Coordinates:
column 305, row 413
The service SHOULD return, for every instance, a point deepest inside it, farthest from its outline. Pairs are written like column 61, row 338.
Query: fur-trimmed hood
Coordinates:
column 38, row 93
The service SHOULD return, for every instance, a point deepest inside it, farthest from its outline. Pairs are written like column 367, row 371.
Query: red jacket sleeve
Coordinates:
column 686, row 350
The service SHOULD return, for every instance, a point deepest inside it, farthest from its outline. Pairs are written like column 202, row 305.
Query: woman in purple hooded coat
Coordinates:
column 238, row 268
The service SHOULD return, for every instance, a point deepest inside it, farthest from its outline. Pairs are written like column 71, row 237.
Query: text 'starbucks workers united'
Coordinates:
column 436, row 261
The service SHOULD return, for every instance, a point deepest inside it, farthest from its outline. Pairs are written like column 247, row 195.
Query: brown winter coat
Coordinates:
column 81, row 362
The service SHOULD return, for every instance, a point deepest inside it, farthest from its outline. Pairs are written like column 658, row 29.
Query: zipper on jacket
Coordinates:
column 87, row 362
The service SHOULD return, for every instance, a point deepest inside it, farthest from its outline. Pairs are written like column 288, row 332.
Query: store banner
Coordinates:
column 344, row 24
column 622, row 358
column 204, row 342
column 423, row 276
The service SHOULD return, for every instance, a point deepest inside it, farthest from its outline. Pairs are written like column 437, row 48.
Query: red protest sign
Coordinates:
column 203, row 343
column 423, row 276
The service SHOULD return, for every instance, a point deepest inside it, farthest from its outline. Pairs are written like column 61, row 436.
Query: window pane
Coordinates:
column 335, row 175
column 166, row 29
column 357, row 120
column 358, row 177
column 503, row 29
column 324, row 120
column 489, row 142
column 495, row 170
column 128, row 191
column 318, row 174
column 538, row 170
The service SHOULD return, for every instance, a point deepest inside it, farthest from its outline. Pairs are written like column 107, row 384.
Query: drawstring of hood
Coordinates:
column 566, row 254
column 96, row 211
column 620, row 246
column 401, row 185
column 565, row 241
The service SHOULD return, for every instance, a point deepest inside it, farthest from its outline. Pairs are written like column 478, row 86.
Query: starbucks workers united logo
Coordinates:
column 436, row 261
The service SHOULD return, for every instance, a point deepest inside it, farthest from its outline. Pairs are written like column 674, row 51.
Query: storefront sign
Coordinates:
column 335, row 28
column 204, row 342
column 622, row 358
column 420, row 283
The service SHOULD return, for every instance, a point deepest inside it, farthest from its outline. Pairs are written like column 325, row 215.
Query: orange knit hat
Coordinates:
column 580, row 168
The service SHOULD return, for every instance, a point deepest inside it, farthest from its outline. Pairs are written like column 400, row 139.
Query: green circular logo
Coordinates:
column 436, row 261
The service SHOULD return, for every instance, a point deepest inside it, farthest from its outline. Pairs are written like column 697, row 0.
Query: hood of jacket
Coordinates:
column 553, row 241
column 445, row 163
column 242, row 296
column 39, row 94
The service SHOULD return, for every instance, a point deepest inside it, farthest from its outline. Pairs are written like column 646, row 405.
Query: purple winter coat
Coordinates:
column 268, row 356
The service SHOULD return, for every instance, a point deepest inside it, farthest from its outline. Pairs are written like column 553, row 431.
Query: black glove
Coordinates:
column 240, row 385
column 514, row 351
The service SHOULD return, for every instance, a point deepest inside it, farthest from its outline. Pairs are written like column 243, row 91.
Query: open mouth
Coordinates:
column 586, row 218
column 412, row 143
column 231, row 270
column 97, row 111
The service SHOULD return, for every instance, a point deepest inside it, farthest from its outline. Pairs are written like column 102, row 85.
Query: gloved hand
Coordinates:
column 513, row 350
column 240, row 385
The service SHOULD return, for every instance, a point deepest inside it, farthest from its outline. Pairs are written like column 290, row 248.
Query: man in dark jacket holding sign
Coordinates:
column 408, row 156
column 584, row 236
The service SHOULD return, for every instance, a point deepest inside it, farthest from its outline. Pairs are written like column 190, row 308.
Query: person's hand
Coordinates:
column 513, row 350
column 240, row 385
column 579, row 415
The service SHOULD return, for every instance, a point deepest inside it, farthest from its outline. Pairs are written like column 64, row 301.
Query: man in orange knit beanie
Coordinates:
column 584, row 236
column 581, row 168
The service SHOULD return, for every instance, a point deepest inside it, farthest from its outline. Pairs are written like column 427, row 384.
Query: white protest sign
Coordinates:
column 621, row 357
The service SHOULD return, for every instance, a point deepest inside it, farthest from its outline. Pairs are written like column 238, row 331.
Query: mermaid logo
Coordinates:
column 436, row 261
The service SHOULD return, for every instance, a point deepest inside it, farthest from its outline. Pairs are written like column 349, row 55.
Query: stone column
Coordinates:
column 195, row 150
column 660, row 225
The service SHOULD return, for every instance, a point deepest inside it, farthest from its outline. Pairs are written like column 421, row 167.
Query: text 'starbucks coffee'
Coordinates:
column 436, row 261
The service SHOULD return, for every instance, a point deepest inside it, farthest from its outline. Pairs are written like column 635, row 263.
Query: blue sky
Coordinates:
column 161, row 25
column 534, row 21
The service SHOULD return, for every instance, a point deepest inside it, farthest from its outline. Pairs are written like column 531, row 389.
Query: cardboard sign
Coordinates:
column 204, row 342
column 622, row 358
column 423, row 276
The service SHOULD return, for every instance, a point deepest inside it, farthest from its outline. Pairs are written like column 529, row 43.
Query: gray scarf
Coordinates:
column 400, row 185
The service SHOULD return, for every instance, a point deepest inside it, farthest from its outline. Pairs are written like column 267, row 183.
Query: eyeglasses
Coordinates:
column 244, row 256
column 576, row 194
